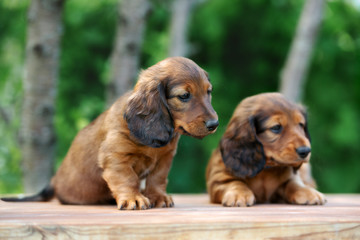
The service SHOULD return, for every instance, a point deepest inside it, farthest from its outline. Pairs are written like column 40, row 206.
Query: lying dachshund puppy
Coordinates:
column 263, row 155
column 136, row 139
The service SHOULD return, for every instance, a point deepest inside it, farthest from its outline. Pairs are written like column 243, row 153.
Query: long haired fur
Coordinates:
column 263, row 155
column 136, row 139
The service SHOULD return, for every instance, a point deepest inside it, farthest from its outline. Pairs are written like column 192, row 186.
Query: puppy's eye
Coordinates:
column 209, row 91
column 184, row 97
column 276, row 129
column 302, row 125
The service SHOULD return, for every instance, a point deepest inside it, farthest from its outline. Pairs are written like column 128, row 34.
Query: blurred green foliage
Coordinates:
column 242, row 44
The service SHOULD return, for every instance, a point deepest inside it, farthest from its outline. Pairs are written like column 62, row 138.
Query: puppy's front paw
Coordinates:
column 235, row 198
column 161, row 200
column 307, row 196
column 132, row 202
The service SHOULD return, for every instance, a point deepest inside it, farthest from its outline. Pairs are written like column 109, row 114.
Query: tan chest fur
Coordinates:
column 146, row 159
column 267, row 182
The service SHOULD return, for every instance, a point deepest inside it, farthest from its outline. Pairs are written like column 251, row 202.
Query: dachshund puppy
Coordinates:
column 136, row 139
column 263, row 156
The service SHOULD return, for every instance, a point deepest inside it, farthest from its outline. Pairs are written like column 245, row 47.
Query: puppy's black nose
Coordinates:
column 212, row 124
column 303, row 151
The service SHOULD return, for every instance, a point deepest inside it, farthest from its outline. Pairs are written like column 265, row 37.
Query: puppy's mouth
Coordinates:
column 272, row 162
column 184, row 132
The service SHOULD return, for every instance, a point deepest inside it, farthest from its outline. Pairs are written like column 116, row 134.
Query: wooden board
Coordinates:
column 193, row 217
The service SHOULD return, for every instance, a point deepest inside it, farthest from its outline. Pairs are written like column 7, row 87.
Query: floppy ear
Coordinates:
column 148, row 116
column 241, row 150
column 306, row 129
column 307, row 133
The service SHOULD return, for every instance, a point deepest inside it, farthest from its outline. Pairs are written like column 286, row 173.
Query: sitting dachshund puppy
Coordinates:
column 263, row 156
column 136, row 139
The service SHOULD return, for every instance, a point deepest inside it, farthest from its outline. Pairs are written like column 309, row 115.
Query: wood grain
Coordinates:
column 193, row 217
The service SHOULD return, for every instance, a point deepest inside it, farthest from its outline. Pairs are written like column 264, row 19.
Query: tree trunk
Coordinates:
column 296, row 67
column 4, row 116
column 181, row 10
column 127, row 46
column 37, row 135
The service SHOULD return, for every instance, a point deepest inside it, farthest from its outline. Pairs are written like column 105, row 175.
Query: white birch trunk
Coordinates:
column 37, row 134
column 295, row 71
column 181, row 10
column 124, row 62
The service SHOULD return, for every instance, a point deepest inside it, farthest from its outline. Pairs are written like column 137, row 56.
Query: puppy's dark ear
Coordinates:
column 307, row 133
column 207, row 75
column 241, row 150
column 306, row 129
column 147, row 114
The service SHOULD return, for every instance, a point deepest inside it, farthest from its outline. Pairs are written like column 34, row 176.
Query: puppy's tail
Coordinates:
column 43, row 196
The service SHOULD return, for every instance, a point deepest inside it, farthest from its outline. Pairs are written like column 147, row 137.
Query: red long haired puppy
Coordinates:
column 263, row 156
column 136, row 139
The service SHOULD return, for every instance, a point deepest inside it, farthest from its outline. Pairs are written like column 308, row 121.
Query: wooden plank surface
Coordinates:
column 193, row 217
